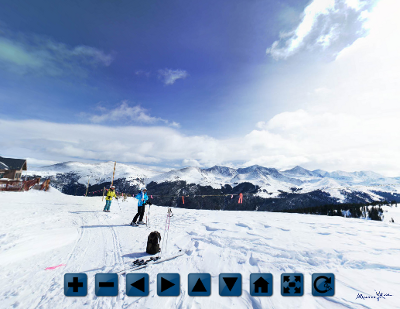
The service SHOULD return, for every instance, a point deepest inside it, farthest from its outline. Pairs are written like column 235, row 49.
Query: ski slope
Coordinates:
column 44, row 229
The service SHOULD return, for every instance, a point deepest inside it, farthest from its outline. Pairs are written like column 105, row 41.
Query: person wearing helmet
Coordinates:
column 110, row 195
column 142, row 199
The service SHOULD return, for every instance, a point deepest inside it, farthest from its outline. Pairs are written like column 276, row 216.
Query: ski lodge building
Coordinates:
column 12, row 168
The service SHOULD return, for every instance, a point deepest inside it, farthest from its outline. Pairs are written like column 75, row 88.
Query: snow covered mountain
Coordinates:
column 298, row 171
column 44, row 235
column 273, row 182
column 330, row 187
column 73, row 177
column 218, row 176
column 98, row 172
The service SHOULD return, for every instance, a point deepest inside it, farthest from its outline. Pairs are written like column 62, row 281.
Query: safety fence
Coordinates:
column 18, row 185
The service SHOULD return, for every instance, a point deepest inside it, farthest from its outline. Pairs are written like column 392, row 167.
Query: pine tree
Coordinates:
column 374, row 214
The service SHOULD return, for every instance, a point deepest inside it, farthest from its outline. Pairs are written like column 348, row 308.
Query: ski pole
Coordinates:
column 169, row 221
column 119, row 206
column 165, row 231
column 148, row 218
column 166, row 241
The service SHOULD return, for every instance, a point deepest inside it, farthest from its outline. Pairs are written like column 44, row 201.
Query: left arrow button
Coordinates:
column 140, row 284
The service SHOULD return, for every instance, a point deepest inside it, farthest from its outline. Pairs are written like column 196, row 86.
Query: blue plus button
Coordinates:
column 106, row 284
column 230, row 284
column 75, row 284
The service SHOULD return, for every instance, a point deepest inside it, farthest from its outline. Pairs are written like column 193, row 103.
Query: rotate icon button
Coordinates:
column 323, row 284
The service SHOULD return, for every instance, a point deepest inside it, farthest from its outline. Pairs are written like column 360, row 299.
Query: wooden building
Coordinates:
column 12, row 168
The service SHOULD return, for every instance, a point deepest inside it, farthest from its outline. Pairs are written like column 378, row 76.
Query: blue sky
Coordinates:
column 178, row 83
column 212, row 46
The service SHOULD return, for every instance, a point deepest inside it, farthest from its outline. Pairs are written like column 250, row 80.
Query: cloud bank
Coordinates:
column 327, row 141
column 323, row 23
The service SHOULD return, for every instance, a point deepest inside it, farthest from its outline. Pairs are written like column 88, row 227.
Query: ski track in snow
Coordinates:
column 43, row 229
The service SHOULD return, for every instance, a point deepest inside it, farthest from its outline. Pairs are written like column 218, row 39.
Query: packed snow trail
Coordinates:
column 46, row 229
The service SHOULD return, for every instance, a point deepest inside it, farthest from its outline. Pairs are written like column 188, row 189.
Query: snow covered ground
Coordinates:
column 44, row 229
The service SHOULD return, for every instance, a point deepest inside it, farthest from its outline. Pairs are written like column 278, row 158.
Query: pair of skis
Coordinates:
column 140, row 263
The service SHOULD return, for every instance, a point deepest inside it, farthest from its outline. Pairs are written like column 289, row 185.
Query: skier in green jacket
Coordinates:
column 110, row 195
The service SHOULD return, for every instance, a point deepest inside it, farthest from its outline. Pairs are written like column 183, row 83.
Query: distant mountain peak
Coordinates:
column 221, row 170
column 320, row 173
column 298, row 168
column 298, row 171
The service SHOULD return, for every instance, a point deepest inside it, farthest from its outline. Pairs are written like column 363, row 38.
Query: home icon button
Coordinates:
column 261, row 284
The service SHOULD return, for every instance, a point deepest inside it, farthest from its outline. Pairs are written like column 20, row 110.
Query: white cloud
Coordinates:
column 278, row 161
column 40, row 55
column 322, row 90
column 35, row 162
column 326, row 39
column 261, row 125
column 90, row 54
column 126, row 112
column 323, row 23
column 355, row 4
column 169, row 76
column 175, row 124
column 191, row 162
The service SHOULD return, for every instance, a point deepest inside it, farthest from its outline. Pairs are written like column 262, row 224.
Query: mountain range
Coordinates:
column 263, row 183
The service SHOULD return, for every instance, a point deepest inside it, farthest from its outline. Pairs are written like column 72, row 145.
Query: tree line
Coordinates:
column 372, row 210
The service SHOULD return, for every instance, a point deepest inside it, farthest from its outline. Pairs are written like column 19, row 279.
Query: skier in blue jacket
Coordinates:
column 142, row 199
